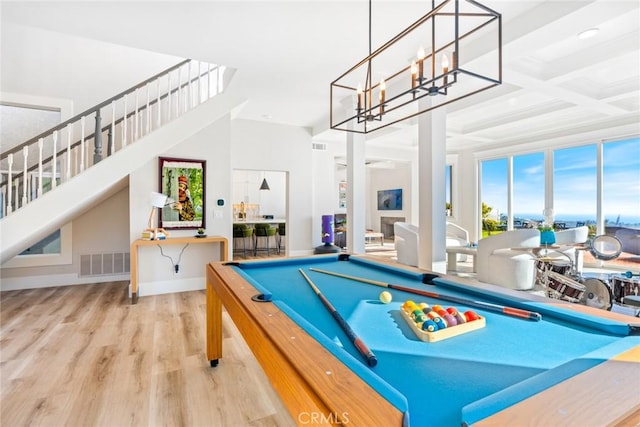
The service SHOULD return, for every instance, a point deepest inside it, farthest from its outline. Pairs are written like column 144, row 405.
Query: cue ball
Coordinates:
column 385, row 297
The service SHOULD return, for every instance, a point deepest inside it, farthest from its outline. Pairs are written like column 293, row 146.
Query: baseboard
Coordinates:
column 48, row 281
column 169, row 286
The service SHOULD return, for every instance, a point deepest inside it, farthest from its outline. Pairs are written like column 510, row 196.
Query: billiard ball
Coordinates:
column 429, row 326
column 450, row 320
column 408, row 306
column 385, row 297
column 438, row 321
column 460, row 318
column 471, row 316
column 415, row 313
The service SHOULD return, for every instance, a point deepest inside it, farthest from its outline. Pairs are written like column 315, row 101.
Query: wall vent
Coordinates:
column 107, row 264
column 319, row 146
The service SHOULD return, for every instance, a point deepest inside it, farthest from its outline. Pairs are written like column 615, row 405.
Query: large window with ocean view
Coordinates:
column 621, row 198
column 494, row 194
column 574, row 186
column 575, row 175
column 528, row 189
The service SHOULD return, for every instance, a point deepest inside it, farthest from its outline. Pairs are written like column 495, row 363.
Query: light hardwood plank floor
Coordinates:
column 84, row 356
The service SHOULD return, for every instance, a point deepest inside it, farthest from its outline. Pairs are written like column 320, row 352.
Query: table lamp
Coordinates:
column 157, row 200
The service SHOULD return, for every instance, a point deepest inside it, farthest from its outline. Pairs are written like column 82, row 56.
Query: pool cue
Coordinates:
column 357, row 341
column 509, row 311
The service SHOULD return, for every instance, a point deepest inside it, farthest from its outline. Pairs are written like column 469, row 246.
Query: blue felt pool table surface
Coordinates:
column 446, row 383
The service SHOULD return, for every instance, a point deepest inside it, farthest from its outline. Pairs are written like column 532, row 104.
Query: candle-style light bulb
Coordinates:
column 445, row 67
column 383, row 88
column 359, row 93
column 414, row 74
column 420, row 63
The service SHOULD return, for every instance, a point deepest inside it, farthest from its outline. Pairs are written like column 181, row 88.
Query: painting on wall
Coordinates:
column 183, row 181
column 342, row 194
column 390, row 200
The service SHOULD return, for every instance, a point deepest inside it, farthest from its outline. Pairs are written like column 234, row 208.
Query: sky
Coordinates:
column 575, row 183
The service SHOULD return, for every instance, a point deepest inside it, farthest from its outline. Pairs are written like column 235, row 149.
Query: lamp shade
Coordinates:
column 264, row 185
column 158, row 199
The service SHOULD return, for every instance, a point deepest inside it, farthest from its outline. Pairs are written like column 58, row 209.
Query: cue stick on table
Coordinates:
column 356, row 340
column 509, row 311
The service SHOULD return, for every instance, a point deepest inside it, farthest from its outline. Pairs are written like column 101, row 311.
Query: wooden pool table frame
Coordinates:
column 311, row 380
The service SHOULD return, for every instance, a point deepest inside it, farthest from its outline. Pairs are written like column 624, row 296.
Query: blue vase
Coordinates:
column 547, row 237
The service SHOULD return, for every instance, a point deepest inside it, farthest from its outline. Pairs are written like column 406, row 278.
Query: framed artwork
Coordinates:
column 183, row 182
column 342, row 194
column 390, row 200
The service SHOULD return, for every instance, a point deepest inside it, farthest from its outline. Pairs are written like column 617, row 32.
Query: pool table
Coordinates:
column 575, row 366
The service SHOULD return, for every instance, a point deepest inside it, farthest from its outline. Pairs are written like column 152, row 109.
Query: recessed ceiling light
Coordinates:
column 587, row 34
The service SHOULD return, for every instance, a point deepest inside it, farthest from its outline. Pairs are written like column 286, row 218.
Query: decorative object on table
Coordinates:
column 201, row 233
column 547, row 235
column 184, row 181
column 327, row 237
column 443, row 73
column 157, row 200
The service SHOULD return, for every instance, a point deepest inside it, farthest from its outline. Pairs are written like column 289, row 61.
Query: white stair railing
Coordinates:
column 31, row 169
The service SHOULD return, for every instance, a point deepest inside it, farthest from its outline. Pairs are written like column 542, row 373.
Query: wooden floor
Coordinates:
column 84, row 356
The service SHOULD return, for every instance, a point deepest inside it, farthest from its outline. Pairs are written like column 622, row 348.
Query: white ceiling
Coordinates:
column 286, row 54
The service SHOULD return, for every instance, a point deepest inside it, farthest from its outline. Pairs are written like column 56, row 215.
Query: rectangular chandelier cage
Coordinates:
column 452, row 52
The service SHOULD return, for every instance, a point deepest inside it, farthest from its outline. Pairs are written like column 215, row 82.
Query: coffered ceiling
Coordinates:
column 556, row 86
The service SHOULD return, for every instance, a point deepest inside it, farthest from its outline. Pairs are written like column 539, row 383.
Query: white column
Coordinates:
column 431, row 176
column 509, row 193
column 356, row 189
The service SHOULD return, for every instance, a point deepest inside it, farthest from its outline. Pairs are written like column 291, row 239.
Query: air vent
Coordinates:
column 107, row 264
column 319, row 146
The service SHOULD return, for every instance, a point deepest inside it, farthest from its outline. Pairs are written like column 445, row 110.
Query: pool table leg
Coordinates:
column 214, row 326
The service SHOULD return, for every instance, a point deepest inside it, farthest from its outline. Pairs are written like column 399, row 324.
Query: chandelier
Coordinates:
column 452, row 52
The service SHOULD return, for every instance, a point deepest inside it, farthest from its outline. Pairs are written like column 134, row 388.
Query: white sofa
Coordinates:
column 499, row 263
column 406, row 243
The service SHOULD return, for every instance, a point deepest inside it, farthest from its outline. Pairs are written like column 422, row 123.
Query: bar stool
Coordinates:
column 266, row 232
column 282, row 233
column 243, row 233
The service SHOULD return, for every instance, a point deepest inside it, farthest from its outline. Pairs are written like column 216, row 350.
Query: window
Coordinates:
column 494, row 194
column 528, row 190
column 574, row 186
column 621, row 198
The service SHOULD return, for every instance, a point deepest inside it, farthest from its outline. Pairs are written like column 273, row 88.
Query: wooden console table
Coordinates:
column 222, row 241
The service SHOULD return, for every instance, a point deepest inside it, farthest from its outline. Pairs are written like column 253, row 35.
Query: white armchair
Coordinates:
column 457, row 236
column 499, row 264
column 406, row 242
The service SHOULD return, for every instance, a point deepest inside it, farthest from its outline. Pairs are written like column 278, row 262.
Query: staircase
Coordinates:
column 47, row 181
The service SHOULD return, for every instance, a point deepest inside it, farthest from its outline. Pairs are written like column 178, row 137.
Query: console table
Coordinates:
column 221, row 241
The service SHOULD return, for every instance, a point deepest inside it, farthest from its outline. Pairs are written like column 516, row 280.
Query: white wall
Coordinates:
column 267, row 146
column 50, row 64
